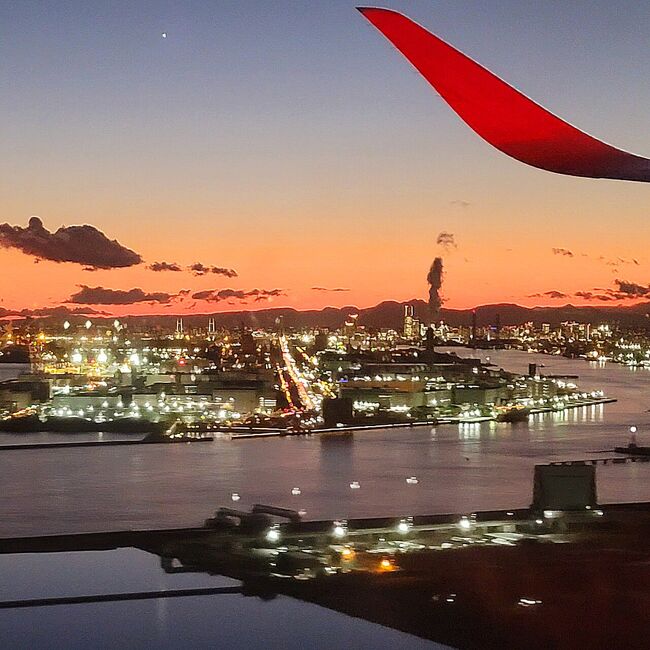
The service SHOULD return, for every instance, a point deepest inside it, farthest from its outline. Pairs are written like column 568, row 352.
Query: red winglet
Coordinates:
column 501, row 115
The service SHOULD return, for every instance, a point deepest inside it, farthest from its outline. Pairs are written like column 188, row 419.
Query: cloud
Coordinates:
column 608, row 261
column 549, row 294
column 212, row 294
column 196, row 269
column 460, row 203
column 101, row 296
column 164, row 266
column 622, row 260
column 590, row 295
column 446, row 240
column 631, row 289
column 334, row 290
column 77, row 244
column 44, row 312
column 624, row 291
column 618, row 261
column 202, row 269
column 218, row 295
column 62, row 310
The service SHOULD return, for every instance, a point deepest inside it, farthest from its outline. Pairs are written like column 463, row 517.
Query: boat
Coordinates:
column 513, row 414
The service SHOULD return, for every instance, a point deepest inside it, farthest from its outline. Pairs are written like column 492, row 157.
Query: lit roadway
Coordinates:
column 296, row 378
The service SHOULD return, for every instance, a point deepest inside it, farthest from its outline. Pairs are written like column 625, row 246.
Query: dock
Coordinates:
column 612, row 460
column 246, row 433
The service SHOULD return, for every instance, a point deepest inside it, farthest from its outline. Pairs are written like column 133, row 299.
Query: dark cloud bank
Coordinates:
column 202, row 269
column 219, row 295
column 102, row 296
column 77, row 244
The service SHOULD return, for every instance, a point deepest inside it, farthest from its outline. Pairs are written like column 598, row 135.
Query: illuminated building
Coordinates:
column 350, row 327
column 409, row 326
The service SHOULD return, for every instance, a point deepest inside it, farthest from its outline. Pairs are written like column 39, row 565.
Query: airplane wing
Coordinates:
column 499, row 113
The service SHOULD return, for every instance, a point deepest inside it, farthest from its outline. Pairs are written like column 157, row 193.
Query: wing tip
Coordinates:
column 366, row 11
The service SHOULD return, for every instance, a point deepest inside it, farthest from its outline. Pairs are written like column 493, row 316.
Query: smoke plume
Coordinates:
column 446, row 240
column 434, row 278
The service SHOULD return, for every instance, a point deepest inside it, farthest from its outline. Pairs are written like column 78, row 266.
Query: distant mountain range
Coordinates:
column 390, row 314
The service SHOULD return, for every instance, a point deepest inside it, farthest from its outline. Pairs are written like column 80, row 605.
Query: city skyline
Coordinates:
column 286, row 156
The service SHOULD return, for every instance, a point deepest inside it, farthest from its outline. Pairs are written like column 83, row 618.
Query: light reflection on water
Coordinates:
column 459, row 468
column 51, row 575
column 217, row 621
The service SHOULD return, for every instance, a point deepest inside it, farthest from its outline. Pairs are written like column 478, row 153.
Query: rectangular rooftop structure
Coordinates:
column 564, row 487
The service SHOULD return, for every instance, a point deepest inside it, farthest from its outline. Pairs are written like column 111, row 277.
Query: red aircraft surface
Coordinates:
column 499, row 113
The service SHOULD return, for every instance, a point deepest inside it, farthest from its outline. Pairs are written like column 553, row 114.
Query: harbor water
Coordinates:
column 457, row 468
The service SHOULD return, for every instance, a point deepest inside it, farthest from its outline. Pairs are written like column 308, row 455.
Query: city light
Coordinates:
column 404, row 526
column 347, row 553
column 386, row 565
column 339, row 530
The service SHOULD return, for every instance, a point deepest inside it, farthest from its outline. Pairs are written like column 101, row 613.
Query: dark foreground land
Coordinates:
column 591, row 594
column 489, row 580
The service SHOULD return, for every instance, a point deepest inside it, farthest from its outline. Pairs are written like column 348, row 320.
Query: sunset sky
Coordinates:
column 287, row 140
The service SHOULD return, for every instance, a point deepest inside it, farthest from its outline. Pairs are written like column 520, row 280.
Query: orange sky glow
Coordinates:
column 340, row 172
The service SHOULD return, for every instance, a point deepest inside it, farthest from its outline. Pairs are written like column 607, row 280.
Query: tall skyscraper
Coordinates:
column 474, row 332
column 408, row 329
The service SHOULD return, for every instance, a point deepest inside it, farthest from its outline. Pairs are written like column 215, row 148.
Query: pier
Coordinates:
column 612, row 460
column 244, row 433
